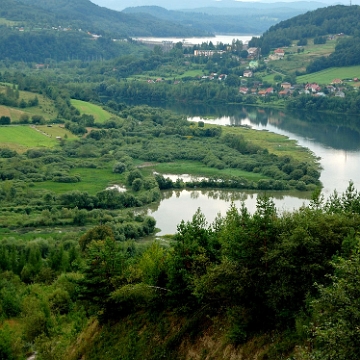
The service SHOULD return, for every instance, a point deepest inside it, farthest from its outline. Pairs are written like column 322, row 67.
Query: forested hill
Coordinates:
column 325, row 21
column 245, row 19
column 88, row 16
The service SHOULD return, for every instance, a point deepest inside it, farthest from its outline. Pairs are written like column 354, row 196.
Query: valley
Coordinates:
column 176, row 199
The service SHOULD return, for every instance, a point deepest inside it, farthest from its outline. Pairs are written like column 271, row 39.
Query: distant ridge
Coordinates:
column 191, row 5
column 244, row 18
column 89, row 16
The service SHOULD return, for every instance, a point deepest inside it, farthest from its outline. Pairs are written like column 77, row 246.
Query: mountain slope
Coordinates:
column 84, row 14
column 321, row 22
column 245, row 18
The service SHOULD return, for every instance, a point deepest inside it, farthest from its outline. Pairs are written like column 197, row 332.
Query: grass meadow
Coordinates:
column 22, row 138
column 92, row 181
column 327, row 75
column 99, row 113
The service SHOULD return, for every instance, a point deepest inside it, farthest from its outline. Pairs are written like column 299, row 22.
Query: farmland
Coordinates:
column 99, row 114
column 22, row 138
column 327, row 75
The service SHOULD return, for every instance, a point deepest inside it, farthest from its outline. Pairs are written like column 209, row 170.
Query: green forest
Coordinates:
column 282, row 283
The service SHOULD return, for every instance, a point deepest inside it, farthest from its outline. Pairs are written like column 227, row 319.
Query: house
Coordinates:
column 253, row 52
column 336, row 82
column 243, row 90
column 280, row 53
column 331, row 89
column 248, row 73
column 340, row 94
column 262, row 92
column 312, row 87
column 286, row 85
column 284, row 92
column 222, row 77
column 269, row 91
column 208, row 52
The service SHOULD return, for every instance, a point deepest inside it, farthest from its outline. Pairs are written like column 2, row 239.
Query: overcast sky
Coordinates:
column 190, row 4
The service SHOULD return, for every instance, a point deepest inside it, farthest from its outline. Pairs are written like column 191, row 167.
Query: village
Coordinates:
column 251, row 84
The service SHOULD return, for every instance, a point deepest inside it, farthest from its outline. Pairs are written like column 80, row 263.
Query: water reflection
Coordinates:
column 334, row 139
column 181, row 205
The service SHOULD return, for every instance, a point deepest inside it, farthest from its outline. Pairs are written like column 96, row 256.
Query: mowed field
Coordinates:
column 327, row 75
column 99, row 113
column 22, row 138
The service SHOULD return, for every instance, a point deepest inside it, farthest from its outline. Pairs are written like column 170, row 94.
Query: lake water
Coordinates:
column 225, row 39
column 334, row 139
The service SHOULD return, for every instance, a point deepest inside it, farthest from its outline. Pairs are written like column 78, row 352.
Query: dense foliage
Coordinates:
column 347, row 53
column 253, row 273
column 52, row 46
column 89, row 17
column 331, row 20
column 242, row 20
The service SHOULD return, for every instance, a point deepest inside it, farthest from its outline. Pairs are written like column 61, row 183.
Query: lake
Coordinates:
column 225, row 39
column 335, row 139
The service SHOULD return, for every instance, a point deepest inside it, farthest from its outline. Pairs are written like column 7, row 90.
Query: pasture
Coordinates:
column 92, row 181
column 327, row 75
column 98, row 112
column 22, row 138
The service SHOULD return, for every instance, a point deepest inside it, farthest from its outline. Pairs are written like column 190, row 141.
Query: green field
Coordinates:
column 98, row 112
column 56, row 130
column 327, row 75
column 21, row 138
column 92, row 181
column 275, row 143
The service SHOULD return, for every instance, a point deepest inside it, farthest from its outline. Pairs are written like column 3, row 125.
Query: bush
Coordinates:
column 119, row 168
column 137, row 184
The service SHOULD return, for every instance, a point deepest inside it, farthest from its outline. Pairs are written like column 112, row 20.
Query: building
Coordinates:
column 253, row 52
column 286, row 85
column 207, row 52
column 243, row 90
column 248, row 73
column 336, row 82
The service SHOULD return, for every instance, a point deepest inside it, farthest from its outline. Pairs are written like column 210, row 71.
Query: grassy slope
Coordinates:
column 294, row 61
column 327, row 75
column 21, row 138
column 99, row 113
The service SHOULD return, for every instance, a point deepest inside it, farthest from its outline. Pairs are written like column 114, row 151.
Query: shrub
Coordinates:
column 119, row 168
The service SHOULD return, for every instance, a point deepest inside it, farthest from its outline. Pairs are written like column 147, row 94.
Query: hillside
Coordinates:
column 90, row 17
column 331, row 20
column 245, row 19
column 194, row 6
